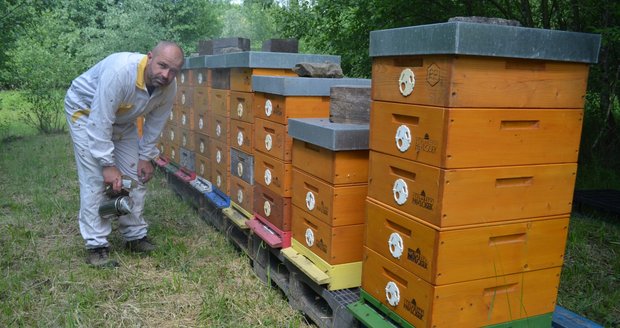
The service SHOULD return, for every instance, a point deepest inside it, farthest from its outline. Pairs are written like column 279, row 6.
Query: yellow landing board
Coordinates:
column 237, row 215
column 340, row 276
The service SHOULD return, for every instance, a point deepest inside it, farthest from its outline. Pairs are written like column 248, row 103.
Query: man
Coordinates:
column 101, row 107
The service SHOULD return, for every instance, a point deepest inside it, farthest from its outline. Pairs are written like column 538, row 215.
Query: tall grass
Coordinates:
column 196, row 278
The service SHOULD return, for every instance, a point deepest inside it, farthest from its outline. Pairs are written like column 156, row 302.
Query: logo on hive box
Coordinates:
column 417, row 257
column 425, row 144
column 412, row 307
column 423, row 201
column 433, row 75
column 322, row 208
column 322, row 246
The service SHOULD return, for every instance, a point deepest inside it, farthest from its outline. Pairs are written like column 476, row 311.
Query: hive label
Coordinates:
column 322, row 245
column 421, row 200
column 412, row 307
column 417, row 257
column 432, row 75
column 425, row 144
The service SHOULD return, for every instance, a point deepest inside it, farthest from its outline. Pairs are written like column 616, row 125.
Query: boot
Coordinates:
column 142, row 245
column 100, row 257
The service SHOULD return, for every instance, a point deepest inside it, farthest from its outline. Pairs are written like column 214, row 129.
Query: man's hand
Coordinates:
column 112, row 176
column 145, row 171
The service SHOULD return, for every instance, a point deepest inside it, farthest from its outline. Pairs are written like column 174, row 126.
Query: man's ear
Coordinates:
column 149, row 55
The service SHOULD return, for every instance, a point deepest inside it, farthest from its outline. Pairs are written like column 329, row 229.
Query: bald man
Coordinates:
column 101, row 108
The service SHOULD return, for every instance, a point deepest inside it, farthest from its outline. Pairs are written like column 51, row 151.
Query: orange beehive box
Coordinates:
column 272, row 207
column 241, row 77
column 475, row 137
column 335, row 205
column 477, row 81
column 458, row 197
column 199, row 77
column 186, row 118
column 171, row 134
column 279, row 109
column 220, row 128
column 446, row 256
column 474, row 303
column 242, row 193
column 220, row 177
column 219, row 102
column 273, row 174
column 242, row 136
column 203, row 167
column 273, row 139
column 201, row 145
column 202, row 122
column 186, row 77
column 220, row 154
column 335, row 245
column 335, row 167
column 184, row 96
column 201, row 98
column 242, row 106
column 188, row 139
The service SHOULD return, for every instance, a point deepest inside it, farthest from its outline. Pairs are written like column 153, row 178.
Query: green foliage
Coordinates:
column 253, row 20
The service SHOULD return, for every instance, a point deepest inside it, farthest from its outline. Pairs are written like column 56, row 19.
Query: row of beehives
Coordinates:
column 450, row 208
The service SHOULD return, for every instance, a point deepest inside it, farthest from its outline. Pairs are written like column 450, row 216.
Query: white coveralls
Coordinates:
column 101, row 107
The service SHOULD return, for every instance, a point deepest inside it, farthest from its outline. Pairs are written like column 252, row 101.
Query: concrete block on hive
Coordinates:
column 223, row 46
column 281, row 45
column 349, row 104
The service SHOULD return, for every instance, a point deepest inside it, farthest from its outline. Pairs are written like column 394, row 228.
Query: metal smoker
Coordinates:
column 117, row 203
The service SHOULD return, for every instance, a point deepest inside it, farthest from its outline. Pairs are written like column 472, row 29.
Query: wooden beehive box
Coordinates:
column 242, row 136
column 220, row 128
column 242, row 193
column 464, row 64
column 335, row 245
column 475, row 137
column 335, row 205
column 279, row 98
column 475, row 303
column 272, row 207
column 219, row 102
column 334, row 167
column 242, row 165
column 460, row 197
column 201, row 145
column 272, row 138
column 273, row 174
column 449, row 256
column 203, row 167
column 242, row 106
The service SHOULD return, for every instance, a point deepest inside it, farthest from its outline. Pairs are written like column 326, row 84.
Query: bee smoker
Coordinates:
column 117, row 203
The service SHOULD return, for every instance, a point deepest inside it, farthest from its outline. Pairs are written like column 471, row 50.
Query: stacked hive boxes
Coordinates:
column 276, row 100
column 474, row 138
column 201, row 115
column 330, row 181
column 231, row 102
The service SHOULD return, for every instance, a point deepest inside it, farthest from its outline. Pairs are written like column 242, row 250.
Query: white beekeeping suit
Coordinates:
column 101, row 107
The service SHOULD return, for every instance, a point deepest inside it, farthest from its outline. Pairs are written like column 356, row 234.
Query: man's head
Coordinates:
column 164, row 62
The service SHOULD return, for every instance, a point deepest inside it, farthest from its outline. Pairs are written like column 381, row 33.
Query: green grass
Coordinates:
column 196, row 278
column 590, row 283
column 11, row 126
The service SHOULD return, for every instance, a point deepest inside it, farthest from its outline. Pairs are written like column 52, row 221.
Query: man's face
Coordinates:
column 163, row 66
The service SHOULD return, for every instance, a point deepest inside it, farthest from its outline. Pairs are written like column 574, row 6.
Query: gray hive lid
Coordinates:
column 196, row 62
column 332, row 136
column 259, row 59
column 480, row 39
column 301, row 86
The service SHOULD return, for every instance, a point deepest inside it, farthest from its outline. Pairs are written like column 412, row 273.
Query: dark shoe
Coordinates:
column 100, row 257
column 143, row 245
